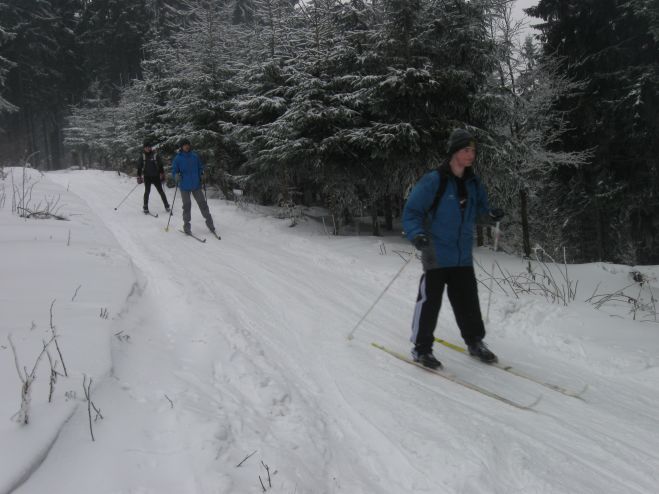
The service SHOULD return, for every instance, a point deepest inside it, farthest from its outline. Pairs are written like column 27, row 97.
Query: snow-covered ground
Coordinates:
column 226, row 367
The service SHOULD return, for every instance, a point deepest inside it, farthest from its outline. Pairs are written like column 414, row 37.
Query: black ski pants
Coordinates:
column 148, row 182
column 462, row 291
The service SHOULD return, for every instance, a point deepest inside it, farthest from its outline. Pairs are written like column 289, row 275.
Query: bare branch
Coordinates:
column 52, row 329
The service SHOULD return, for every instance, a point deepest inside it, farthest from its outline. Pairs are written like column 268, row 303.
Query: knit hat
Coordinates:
column 459, row 139
column 146, row 143
column 183, row 142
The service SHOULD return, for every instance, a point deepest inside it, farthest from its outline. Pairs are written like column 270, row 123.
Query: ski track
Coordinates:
column 607, row 451
column 258, row 360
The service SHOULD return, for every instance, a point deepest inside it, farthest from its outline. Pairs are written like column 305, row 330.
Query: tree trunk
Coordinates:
column 600, row 232
column 46, row 143
column 526, row 237
column 375, row 221
column 388, row 213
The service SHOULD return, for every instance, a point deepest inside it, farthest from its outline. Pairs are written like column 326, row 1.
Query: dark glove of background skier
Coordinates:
column 421, row 241
column 496, row 214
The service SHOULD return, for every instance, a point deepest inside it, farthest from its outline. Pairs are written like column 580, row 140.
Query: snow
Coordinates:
column 201, row 355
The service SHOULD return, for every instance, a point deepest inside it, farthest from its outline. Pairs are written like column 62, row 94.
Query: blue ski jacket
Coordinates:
column 449, row 229
column 190, row 167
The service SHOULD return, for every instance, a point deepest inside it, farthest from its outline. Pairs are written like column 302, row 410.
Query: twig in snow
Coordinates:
column 267, row 469
column 90, row 404
column 171, row 403
column 53, row 375
column 246, row 458
column 52, row 329
column 23, row 415
column 76, row 293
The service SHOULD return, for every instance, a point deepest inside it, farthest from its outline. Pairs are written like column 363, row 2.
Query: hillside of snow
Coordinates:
column 226, row 367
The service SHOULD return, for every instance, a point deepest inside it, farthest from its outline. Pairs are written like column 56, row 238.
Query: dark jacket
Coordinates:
column 450, row 229
column 150, row 164
column 190, row 167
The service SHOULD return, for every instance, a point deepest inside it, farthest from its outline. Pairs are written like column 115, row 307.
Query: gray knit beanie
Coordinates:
column 459, row 139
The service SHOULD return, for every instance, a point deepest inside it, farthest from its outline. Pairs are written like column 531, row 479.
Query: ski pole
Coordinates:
column 136, row 186
column 494, row 258
column 352, row 332
column 171, row 208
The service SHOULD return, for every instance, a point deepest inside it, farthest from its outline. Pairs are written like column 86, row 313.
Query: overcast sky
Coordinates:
column 518, row 11
column 523, row 4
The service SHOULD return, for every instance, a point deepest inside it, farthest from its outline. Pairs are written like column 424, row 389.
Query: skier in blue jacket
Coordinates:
column 189, row 166
column 439, row 219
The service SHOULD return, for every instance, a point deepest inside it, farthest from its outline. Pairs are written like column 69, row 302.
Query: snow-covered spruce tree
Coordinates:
column 612, row 47
column 189, row 79
column 276, row 111
column 5, row 66
column 165, row 18
column 45, row 78
column 112, row 34
column 535, row 142
column 525, row 127
column 91, row 133
column 365, row 112
column 409, row 77
column 437, row 58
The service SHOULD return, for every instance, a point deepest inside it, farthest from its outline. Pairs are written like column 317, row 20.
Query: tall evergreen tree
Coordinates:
column 612, row 46
column 165, row 18
column 525, row 126
column 45, row 79
column 112, row 34
column 5, row 66
column 91, row 133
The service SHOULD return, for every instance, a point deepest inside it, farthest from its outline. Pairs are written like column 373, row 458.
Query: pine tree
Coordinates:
column 165, row 18
column 112, row 34
column 525, row 127
column 92, row 131
column 45, row 77
column 611, row 46
column 363, row 109
column 411, row 71
column 5, row 66
column 274, row 107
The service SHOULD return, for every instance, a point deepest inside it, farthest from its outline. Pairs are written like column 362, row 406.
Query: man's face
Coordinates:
column 147, row 149
column 186, row 148
column 465, row 157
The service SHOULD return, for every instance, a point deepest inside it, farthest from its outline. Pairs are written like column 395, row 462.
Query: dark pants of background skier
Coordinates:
column 462, row 293
column 203, row 207
column 148, row 182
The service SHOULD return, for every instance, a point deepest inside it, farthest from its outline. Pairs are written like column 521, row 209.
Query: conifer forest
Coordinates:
column 344, row 104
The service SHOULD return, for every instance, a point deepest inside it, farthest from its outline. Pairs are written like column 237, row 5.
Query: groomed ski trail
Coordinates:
column 251, row 334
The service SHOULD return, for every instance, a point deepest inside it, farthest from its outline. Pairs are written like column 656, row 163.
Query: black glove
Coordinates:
column 496, row 214
column 421, row 241
column 140, row 179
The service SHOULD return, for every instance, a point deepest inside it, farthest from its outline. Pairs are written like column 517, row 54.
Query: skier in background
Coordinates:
column 189, row 166
column 151, row 166
column 439, row 219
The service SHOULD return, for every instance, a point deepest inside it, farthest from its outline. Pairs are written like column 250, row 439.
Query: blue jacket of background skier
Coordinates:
column 190, row 167
column 451, row 233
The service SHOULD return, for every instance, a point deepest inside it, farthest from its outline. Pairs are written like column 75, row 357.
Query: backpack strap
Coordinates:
column 443, row 182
